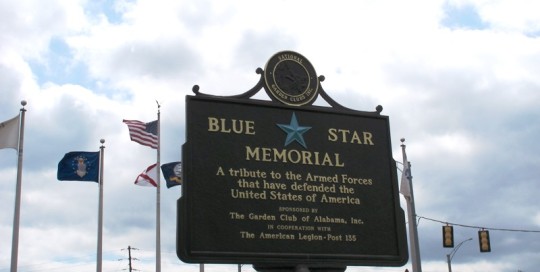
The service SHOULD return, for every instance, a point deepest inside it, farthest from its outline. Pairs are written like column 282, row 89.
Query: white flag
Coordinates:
column 148, row 176
column 405, row 188
column 9, row 133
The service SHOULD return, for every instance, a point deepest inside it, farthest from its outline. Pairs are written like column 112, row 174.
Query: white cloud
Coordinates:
column 466, row 100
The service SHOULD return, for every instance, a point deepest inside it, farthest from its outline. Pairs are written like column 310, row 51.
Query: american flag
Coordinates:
column 143, row 133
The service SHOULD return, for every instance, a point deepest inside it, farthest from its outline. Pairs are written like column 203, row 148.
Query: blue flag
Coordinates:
column 79, row 166
column 173, row 173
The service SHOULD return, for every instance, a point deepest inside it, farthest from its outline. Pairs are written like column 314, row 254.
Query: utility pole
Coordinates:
column 129, row 257
column 129, row 248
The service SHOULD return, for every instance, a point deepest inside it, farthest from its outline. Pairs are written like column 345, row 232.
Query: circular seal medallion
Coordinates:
column 177, row 170
column 291, row 79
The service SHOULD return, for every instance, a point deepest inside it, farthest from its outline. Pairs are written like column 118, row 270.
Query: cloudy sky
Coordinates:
column 458, row 78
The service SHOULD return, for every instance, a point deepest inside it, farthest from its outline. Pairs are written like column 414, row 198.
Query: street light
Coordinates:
column 450, row 256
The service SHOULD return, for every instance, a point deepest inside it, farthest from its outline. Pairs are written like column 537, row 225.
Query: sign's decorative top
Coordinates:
column 291, row 79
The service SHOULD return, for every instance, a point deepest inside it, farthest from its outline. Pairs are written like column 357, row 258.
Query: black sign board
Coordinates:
column 271, row 183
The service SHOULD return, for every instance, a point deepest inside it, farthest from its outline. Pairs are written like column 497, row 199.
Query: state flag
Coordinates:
column 148, row 177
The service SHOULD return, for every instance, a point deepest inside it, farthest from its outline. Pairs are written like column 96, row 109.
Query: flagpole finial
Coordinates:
column 402, row 141
column 102, row 141
column 23, row 103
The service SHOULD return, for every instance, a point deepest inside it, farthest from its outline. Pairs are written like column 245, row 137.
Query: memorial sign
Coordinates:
column 284, row 181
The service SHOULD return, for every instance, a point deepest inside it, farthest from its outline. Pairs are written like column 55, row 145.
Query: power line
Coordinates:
column 476, row 227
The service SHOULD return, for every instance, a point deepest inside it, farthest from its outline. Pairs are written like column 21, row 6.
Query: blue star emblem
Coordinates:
column 294, row 131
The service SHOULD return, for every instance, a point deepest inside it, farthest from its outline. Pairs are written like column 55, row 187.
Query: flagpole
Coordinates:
column 17, row 213
column 158, row 202
column 411, row 213
column 100, row 208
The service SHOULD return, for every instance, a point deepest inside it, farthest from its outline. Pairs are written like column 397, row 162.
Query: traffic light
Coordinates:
column 448, row 236
column 483, row 239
